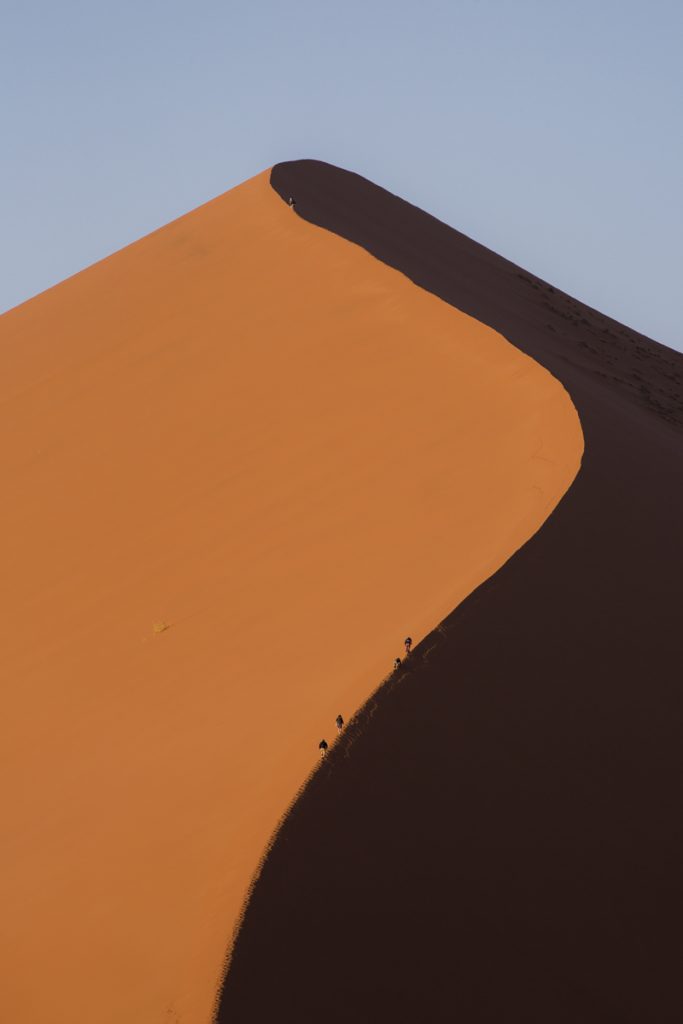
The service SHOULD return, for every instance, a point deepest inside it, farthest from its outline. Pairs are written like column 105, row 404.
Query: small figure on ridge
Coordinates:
column 322, row 747
column 340, row 723
column 408, row 644
column 291, row 202
column 397, row 664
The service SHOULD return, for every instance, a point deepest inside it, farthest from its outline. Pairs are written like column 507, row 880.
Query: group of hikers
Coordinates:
column 323, row 746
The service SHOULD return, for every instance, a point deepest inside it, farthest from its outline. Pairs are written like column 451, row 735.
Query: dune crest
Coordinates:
column 242, row 460
column 496, row 839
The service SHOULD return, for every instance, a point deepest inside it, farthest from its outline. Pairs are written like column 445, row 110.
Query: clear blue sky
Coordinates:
column 550, row 130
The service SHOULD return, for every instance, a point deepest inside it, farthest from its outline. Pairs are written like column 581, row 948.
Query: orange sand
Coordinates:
column 247, row 429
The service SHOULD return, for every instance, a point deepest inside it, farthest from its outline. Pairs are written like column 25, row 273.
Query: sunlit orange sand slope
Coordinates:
column 246, row 430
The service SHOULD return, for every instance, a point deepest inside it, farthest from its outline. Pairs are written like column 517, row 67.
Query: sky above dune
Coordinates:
column 548, row 131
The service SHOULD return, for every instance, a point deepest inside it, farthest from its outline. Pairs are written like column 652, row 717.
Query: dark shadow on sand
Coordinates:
column 497, row 837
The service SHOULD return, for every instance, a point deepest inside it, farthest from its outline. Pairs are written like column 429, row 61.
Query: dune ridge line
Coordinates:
column 506, row 849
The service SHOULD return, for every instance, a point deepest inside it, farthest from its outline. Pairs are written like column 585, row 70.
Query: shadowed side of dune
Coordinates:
column 498, row 835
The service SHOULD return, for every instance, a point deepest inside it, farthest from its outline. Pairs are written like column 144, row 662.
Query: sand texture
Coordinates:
column 241, row 458
column 498, row 838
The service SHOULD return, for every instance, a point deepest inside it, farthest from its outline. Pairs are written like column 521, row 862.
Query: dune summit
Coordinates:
column 242, row 459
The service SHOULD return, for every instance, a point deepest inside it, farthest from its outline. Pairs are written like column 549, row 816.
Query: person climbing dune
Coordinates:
column 340, row 723
column 408, row 644
column 291, row 202
column 322, row 747
column 397, row 663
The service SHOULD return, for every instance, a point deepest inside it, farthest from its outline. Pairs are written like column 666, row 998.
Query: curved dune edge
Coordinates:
column 334, row 428
column 504, row 850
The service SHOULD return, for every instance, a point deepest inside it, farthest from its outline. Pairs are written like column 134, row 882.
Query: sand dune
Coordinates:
column 503, row 841
column 241, row 460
